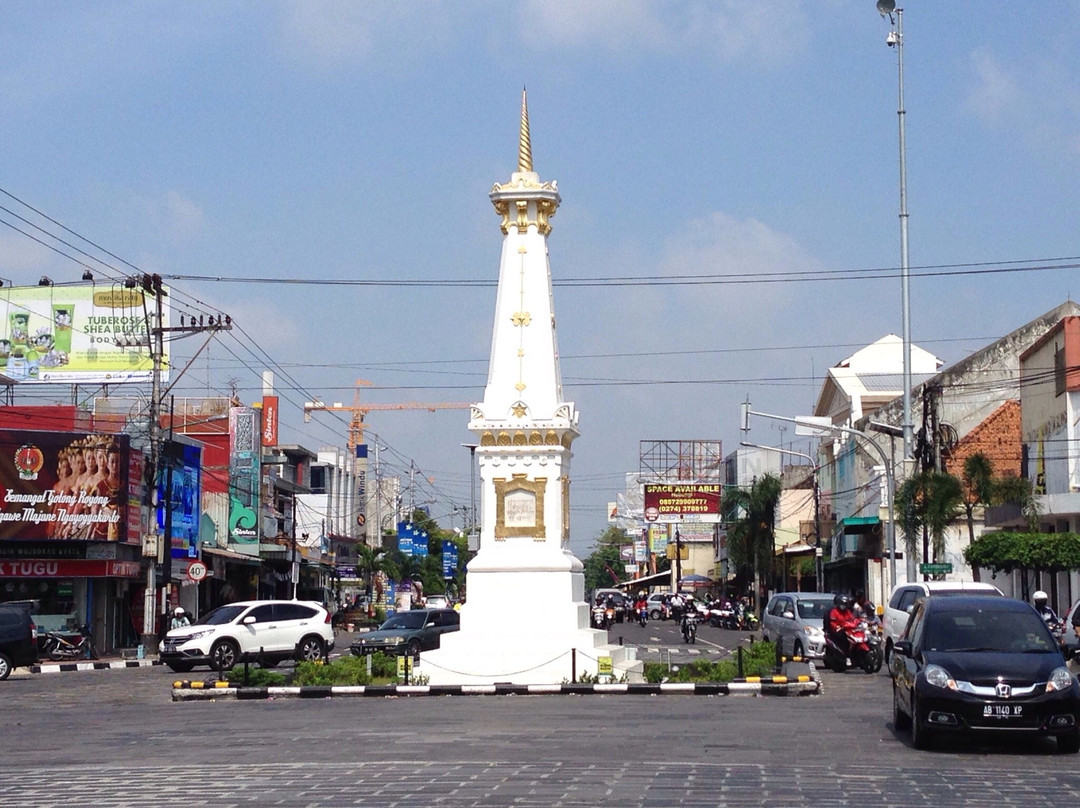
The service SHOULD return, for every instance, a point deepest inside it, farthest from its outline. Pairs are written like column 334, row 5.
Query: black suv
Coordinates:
column 18, row 638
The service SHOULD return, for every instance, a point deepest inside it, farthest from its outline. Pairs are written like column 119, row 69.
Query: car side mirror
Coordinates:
column 788, row 615
column 903, row 647
column 247, row 621
column 910, row 608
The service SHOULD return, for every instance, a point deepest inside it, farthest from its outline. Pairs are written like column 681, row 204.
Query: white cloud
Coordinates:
column 719, row 244
column 339, row 34
column 995, row 92
column 759, row 30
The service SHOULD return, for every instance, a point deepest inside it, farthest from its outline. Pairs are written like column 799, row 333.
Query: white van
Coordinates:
column 904, row 596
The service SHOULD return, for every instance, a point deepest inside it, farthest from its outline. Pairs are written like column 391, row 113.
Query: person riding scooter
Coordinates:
column 840, row 620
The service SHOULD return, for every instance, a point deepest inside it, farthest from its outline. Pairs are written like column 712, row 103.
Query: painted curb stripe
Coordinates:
column 195, row 690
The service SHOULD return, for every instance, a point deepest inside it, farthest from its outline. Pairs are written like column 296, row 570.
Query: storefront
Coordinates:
column 71, row 593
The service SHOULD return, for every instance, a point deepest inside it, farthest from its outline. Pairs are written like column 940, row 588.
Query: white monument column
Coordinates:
column 525, row 619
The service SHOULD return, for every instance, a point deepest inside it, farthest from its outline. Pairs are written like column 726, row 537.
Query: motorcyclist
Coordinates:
column 1041, row 602
column 678, row 606
column 840, row 620
column 179, row 619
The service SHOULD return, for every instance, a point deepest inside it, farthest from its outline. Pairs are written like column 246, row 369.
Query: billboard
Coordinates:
column 269, row 421
column 69, row 334
column 185, row 463
column 63, row 486
column 691, row 502
column 244, row 459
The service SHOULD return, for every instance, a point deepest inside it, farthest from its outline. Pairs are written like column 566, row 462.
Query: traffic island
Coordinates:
column 802, row 685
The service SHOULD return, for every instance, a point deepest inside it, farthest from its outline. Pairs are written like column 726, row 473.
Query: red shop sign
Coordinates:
column 68, row 569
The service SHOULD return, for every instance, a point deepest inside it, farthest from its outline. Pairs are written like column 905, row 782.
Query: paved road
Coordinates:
column 115, row 738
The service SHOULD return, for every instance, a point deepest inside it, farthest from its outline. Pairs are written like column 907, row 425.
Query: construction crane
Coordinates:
column 359, row 410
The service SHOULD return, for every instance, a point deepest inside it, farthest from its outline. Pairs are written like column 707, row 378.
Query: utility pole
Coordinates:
column 154, row 340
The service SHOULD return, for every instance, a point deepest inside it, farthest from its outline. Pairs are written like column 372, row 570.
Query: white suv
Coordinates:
column 900, row 605
column 270, row 631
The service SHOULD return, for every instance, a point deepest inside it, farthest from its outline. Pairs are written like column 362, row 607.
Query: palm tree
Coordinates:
column 929, row 501
column 369, row 562
column 750, row 528
column 978, row 480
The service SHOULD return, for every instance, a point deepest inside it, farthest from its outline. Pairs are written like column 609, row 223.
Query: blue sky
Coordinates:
column 358, row 141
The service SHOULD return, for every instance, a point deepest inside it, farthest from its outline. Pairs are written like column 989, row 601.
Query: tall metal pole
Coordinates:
column 905, row 274
column 472, row 493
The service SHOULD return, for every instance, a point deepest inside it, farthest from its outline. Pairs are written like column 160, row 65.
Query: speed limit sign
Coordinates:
column 196, row 571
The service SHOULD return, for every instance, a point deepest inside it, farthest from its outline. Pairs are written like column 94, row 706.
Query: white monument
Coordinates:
column 525, row 620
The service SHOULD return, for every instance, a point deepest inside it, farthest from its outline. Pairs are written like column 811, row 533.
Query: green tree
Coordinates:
column 1020, row 492
column 929, row 501
column 603, row 563
column 978, row 482
column 751, row 542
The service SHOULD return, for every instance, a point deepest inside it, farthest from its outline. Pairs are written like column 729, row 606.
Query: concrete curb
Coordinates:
column 93, row 665
column 750, row 686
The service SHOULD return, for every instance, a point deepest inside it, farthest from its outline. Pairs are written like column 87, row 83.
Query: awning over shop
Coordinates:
column 232, row 555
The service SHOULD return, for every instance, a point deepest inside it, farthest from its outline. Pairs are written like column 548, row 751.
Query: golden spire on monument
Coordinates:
column 524, row 144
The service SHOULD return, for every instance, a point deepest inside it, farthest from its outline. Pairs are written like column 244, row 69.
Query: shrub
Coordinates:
column 347, row 670
column 257, row 677
column 759, row 659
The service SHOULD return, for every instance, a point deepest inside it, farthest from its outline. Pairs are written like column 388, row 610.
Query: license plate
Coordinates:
column 1003, row 710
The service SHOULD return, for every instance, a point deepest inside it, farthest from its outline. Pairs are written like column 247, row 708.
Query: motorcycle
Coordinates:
column 722, row 615
column 860, row 651
column 600, row 618
column 689, row 626
column 57, row 647
column 643, row 614
column 750, row 621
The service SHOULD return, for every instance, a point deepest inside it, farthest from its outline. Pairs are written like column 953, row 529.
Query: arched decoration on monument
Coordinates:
column 535, row 438
column 519, row 508
column 487, row 439
column 567, row 439
column 520, row 439
column 551, row 438
column 503, row 439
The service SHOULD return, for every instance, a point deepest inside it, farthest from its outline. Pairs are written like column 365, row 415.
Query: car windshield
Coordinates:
column 986, row 630
column 813, row 609
column 220, row 616
column 404, row 620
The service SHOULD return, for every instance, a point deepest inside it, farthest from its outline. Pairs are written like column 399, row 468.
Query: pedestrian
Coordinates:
column 179, row 619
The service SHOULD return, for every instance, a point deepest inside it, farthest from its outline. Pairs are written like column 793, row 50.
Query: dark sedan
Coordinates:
column 982, row 664
column 408, row 632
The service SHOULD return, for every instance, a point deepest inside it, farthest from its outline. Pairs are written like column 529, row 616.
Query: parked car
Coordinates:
column 275, row 630
column 900, row 605
column 18, row 638
column 795, row 621
column 979, row 664
column 437, row 602
column 408, row 632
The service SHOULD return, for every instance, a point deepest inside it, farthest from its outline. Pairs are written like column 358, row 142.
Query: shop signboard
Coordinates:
column 692, row 502
column 244, row 480
column 449, row 559
column 74, row 334
column 63, row 485
column 69, row 569
column 269, row 421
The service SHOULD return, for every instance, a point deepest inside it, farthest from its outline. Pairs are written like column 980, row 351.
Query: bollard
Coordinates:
column 368, row 658
column 620, row 640
column 573, row 664
column 740, row 663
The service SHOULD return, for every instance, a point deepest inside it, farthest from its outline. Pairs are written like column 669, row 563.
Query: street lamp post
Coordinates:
column 818, row 562
column 816, row 425
column 896, row 39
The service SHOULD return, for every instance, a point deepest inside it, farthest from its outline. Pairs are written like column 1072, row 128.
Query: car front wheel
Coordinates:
column 1069, row 744
column 413, row 648
column 5, row 667
column 224, row 654
column 901, row 720
column 921, row 736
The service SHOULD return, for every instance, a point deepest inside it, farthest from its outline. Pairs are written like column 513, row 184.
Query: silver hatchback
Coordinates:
column 794, row 620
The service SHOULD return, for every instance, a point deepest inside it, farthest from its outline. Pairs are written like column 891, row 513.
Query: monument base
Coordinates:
column 525, row 623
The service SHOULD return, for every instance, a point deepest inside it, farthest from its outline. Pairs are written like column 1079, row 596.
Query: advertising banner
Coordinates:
column 185, row 463
column 676, row 503
column 269, row 421
column 449, row 559
column 59, row 485
column 69, row 334
column 69, row 569
column 244, row 460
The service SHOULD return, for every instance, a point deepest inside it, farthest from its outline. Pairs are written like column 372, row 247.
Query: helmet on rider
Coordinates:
column 1040, row 598
column 178, row 612
column 843, row 602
